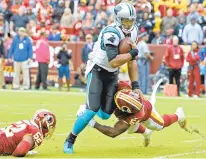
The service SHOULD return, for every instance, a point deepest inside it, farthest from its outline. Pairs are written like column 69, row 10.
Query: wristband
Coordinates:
column 135, row 85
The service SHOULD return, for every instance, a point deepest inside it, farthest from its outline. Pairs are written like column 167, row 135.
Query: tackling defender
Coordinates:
column 137, row 115
column 21, row 137
column 102, row 69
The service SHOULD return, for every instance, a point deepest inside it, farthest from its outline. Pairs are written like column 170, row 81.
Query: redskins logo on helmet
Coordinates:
column 128, row 101
column 46, row 122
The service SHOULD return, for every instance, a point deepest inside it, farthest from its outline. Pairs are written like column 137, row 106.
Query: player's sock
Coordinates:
column 169, row 119
column 71, row 138
column 82, row 121
column 103, row 115
column 141, row 129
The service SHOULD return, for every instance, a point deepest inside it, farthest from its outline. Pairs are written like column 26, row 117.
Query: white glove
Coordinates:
column 92, row 123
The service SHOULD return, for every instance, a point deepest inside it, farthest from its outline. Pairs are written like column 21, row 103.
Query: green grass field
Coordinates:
column 169, row 143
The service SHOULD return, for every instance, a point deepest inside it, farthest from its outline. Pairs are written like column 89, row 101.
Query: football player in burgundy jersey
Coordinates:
column 138, row 115
column 20, row 137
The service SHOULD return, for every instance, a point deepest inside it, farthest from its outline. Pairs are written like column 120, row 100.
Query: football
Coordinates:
column 124, row 46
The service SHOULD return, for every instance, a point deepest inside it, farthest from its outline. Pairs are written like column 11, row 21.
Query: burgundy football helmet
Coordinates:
column 128, row 101
column 46, row 122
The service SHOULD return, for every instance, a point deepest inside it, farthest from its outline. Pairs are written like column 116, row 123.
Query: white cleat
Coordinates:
column 81, row 110
column 146, row 137
column 181, row 117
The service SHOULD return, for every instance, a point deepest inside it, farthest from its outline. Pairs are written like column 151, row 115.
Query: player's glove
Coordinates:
column 92, row 123
column 134, row 53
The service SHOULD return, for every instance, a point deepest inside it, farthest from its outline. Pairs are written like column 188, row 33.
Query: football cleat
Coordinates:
column 81, row 110
column 146, row 138
column 181, row 117
column 68, row 147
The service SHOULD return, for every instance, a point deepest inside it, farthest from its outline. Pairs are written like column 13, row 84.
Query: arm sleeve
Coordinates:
column 22, row 149
column 111, row 38
column 112, row 51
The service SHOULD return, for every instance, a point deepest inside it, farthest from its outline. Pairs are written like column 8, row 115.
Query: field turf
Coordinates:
column 172, row 142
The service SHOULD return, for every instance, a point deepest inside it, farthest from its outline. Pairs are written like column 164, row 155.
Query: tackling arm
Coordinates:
column 119, row 128
column 24, row 146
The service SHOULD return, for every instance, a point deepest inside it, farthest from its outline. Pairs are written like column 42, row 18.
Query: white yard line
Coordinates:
column 192, row 141
column 180, row 154
column 62, row 134
column 84, row 94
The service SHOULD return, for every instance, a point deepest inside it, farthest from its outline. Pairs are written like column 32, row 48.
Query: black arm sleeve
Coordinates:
column 112, row 52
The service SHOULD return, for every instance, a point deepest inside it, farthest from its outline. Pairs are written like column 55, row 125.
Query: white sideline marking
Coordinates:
column 62, row 134
column 72, row 119
column 19, row 113
column 84, row 94
column 2, row 123
column 181, row 154
column 192, row 141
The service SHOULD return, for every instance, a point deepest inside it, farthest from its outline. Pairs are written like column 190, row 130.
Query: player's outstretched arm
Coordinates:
column 119, row 128
column 24, row 146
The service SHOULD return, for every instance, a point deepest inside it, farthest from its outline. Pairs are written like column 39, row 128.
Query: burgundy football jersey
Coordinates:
column 12, row 135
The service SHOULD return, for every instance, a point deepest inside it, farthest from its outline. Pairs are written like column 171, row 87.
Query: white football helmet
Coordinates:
column 125, row 16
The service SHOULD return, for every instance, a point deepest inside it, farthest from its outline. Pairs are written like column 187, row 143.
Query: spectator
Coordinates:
column 181, row 16
column 55, row 34
column 2, row 57
column 15, row 7
column 158, row 39
column 174, row 59
column 80, row 79
column 102, row 22
column 7, row 15
column 59, row 11
column 44, row 12
column 88, row 23
column 21, row 51
column 168, row 22
column 67, row 19
column 179, row 29
column 192, row 32
column 63, row 57
column 193, row 13
column 169, row 36
column 43, row 58
column 18, row 20
column 194, row 70
column 158, row 21
column 87, row 48
column 143, row 62
column 202, row 55
column 7, row 43
column 147, row 23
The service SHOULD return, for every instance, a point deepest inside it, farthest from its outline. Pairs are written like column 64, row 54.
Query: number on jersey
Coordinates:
column 38, row 138
column 12, row 129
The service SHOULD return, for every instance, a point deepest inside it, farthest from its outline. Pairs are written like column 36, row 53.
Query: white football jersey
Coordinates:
column 111, row 34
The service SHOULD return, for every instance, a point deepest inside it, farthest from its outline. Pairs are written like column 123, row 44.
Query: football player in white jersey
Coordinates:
column 102, row 69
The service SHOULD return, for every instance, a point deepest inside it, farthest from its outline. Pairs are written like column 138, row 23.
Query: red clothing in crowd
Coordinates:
column 193, row 72
column 174, row 57
column 42, row 50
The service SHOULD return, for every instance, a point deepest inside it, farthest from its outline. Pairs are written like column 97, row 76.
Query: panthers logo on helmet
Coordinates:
column 128, row 101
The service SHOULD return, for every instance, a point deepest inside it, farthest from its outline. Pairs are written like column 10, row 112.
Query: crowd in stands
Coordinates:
column 71, row 20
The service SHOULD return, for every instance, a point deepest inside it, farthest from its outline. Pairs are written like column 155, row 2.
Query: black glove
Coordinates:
column 134, row 53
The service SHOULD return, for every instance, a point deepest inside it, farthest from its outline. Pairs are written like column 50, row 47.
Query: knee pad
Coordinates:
column 103, row 115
